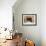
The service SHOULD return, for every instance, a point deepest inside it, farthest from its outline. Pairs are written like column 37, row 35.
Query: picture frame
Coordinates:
column 29, row 19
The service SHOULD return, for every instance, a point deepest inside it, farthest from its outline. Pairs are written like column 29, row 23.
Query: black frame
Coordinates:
column 30, row 24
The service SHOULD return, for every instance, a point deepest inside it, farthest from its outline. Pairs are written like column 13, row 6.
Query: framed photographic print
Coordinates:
column 29, row 19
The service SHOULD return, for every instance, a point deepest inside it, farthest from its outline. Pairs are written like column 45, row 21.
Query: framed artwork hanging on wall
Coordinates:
column 29, row 19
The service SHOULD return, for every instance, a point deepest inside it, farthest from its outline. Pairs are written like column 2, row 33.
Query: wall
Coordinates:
column 6, row 13
column 43, row 22
column 28, row 7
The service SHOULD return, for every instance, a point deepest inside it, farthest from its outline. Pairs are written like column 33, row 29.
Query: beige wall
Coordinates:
column 28, row 7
